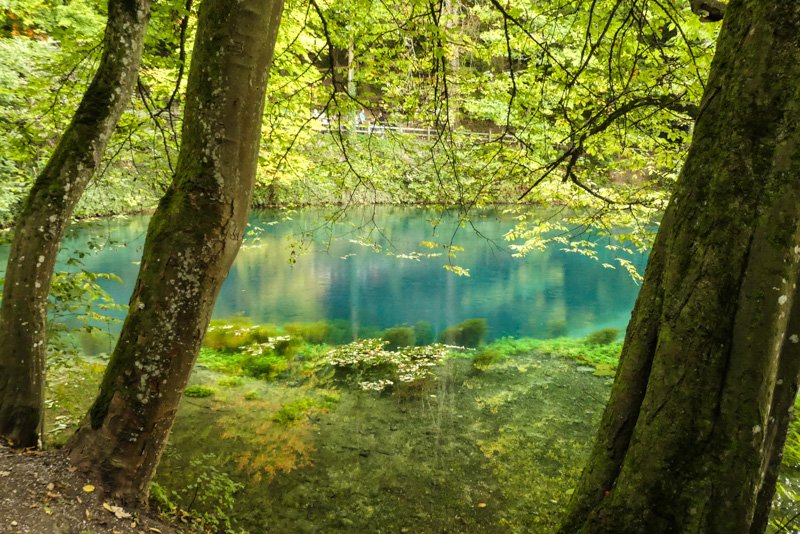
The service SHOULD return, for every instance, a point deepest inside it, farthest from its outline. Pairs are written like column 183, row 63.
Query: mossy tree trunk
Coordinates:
column 692, row 436
column 191, row 242
column 45, row 215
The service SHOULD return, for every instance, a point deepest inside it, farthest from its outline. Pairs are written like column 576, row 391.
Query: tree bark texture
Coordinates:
column 45, row 215
column 191, row 242
column 691, row 438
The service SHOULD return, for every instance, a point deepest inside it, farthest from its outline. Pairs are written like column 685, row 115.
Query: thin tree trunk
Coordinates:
column 191, row 242
column 46, row 213
column 691, row 438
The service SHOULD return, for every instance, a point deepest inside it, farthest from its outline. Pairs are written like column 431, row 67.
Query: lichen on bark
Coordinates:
column 191, row 242
column 45, row 216
column 713, row 323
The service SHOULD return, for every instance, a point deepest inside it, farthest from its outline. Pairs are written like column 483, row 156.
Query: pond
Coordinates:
column 492, row 440
column 384, row 266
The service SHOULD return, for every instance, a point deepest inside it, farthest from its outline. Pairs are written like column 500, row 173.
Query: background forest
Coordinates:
column 551, row 103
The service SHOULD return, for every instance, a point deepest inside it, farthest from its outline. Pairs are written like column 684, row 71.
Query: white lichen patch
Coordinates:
column 756, row 429
column 794, row 338
column 782, row 299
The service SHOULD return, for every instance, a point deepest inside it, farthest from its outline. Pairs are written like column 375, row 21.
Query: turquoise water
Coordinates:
column 371, row 270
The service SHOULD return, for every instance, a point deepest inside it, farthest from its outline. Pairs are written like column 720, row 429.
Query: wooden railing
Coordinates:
column 428, row 133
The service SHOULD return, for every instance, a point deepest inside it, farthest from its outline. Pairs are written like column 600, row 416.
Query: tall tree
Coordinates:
column 45, row 215
column 191, row 242
column 691, row 438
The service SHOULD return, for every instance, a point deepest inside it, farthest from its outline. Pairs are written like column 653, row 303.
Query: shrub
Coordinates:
column 199, row 392
column 399, row 336
column 251, row 395
column 423, row 332
column 602, row 337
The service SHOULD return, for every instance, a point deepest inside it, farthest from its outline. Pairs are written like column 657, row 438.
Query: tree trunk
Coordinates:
column 691, row 438
column 47, row 211
column 191, row 242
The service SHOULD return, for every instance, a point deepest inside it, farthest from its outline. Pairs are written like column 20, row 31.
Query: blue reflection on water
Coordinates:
column 371, row 270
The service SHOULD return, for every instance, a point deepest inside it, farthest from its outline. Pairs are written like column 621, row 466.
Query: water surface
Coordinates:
column 380, row 267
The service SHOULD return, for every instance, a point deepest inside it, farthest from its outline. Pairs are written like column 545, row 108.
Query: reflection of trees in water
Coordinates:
column 548, row 293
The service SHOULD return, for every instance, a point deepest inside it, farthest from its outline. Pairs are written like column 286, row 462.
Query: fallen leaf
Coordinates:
column 88, row 488
column 5, row 473
column 117, row 511
column 153, row 529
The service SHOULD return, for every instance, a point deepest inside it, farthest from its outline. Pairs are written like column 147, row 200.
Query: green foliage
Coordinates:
column 230, row 381
column 367, row 364
column 603, row 337
column 316, row 333
column 79, row 309
column 267, row 367
column 487, row 357
column 205, row 503
column 237, row 332
column 604, row 358
column 199, row 392
column 298, row 409
column 399, row 336
column 469, row 334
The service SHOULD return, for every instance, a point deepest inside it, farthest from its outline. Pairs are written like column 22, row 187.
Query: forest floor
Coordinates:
column 41, row 493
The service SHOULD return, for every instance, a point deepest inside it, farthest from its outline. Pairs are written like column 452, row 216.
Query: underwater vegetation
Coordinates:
column 469, row 334
column 282, row 434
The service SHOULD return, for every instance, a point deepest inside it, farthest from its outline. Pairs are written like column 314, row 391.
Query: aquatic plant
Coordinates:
column 316, row 333
column 557, row 328
column 423, row 333
column 235, row 333
column 602, row 337
column 267, row 366
column 230, row 381
column 469, row 333
column 399, row 336
column 297, row 409
column 199, row 392
column 486, row 358
column 368, row 364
